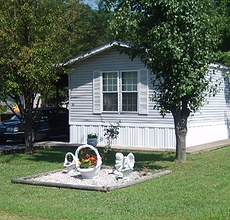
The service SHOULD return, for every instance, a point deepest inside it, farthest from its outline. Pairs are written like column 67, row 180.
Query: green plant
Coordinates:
column 92, row 135
column 110, row 134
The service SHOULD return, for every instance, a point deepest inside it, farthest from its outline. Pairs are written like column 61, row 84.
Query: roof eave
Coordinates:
column 95, row 51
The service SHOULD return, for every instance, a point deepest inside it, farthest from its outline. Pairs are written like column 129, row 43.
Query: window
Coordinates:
column 110, row 91
column 129, row 91
column 120, row 91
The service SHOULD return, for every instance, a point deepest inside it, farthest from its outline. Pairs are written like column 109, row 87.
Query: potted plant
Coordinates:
column 92, row 139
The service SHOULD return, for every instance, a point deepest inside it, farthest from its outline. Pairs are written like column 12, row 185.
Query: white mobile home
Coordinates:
column 107, row 87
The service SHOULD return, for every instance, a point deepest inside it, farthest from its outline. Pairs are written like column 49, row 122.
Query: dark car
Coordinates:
column 50, row 121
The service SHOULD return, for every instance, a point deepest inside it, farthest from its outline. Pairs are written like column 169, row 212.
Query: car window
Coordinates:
column 44, row 114
column 52, row 114
column 14, row 118
column 62, row 111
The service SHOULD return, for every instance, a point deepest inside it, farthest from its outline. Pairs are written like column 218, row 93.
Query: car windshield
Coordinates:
column 15, row 117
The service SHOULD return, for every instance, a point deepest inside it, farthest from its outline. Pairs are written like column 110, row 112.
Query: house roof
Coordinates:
column 95, row 51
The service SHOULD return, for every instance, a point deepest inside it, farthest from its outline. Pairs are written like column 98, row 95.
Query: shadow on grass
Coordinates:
column 10, row 157
column 149, row 160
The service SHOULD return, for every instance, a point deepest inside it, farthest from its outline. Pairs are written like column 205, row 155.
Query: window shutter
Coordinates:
column 97, row 92
column 143, row 92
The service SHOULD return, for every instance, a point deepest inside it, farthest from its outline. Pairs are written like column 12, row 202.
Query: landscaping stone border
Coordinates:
column 33, row 180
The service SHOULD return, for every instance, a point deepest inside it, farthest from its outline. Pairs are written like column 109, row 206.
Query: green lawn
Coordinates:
column 197, row 189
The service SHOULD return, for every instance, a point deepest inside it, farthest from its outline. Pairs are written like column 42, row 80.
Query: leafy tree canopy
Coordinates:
column 35, row 36
column 176, row 40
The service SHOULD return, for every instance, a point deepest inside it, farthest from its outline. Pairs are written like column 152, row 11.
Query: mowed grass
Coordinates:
column 197, row 189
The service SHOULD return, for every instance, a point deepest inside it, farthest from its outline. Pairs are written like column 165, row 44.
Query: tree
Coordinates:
column 35, row 37
column 176, row 40
column 92, row 29
column 222, row 18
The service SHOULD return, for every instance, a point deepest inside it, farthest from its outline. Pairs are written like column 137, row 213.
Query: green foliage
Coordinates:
column 31, row 45
column 3, row 108
column 49, row 95
column 35, row 37
column 176, row 40
column 222, row 19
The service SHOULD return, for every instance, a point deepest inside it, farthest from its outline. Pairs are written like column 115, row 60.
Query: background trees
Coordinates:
column 176, row 40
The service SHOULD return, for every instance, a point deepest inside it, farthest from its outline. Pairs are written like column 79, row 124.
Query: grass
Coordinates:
column 197, row 189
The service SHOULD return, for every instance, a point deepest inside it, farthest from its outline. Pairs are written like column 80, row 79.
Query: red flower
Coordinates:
column 86, row 159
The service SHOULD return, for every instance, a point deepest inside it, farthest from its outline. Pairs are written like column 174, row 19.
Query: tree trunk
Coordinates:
column 181, row 132
column 180, row 116
column 28, row 139
column 28, row 122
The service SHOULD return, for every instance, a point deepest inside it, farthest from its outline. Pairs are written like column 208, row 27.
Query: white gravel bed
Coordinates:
column 105, row 178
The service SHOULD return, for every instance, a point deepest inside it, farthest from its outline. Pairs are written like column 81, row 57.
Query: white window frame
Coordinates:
column 142, row 92
column 122, row 92
column 119, row 90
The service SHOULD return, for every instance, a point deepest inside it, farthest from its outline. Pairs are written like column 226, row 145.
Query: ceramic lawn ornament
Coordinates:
column 124, row 164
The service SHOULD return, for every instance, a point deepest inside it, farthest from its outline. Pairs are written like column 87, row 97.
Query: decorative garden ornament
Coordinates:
column 70, row 166
column 124, row 164
column 88, row 164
